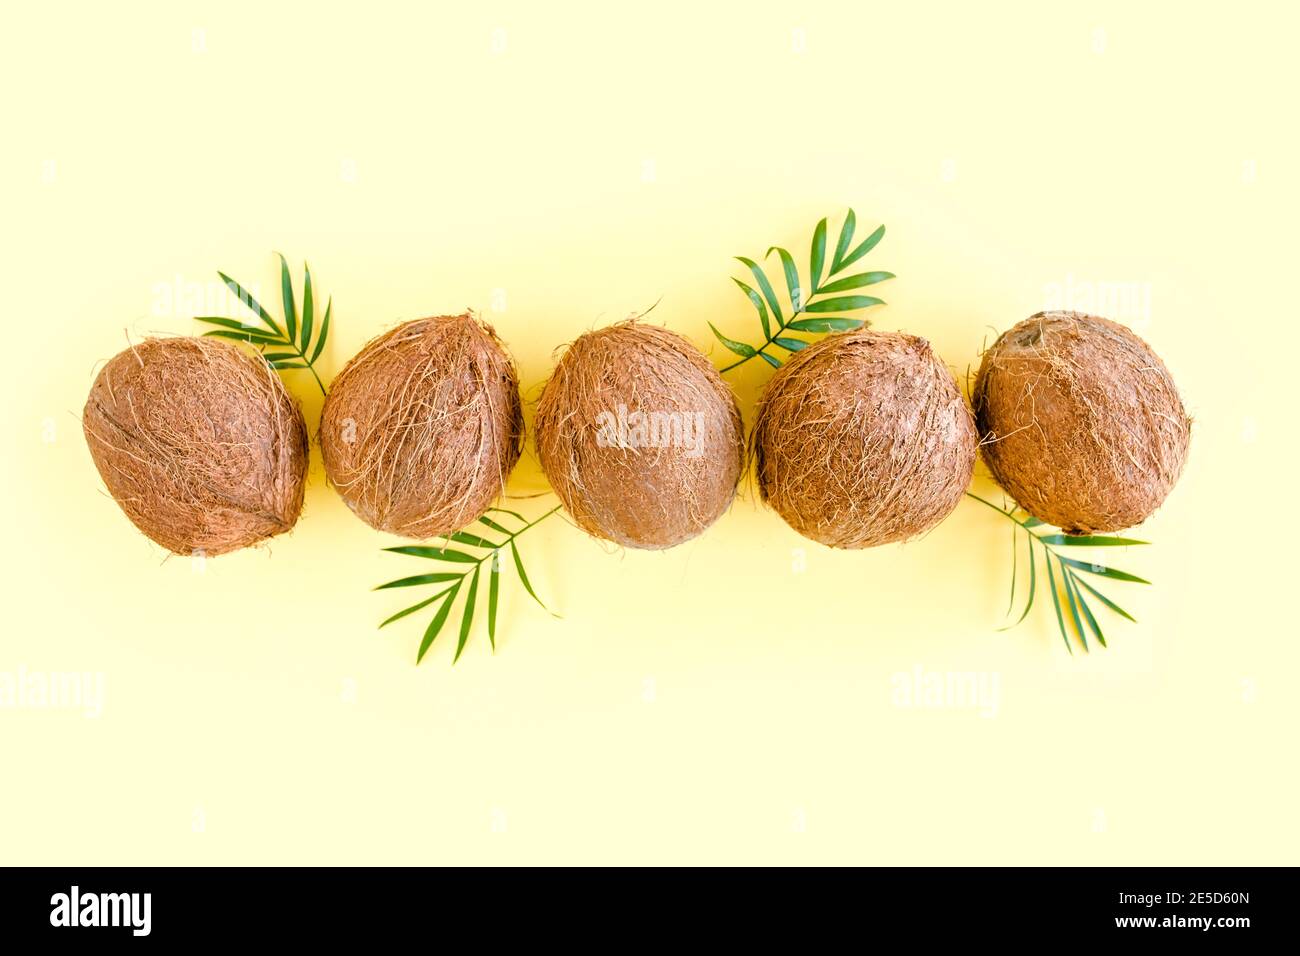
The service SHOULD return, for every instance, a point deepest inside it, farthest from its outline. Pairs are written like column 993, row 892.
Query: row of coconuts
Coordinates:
column 861, row 439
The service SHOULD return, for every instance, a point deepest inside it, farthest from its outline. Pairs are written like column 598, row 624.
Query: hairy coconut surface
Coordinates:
column 423, row 426
column 199, row 443
column 1080, row 422
column 863, row 439
column 639, row 436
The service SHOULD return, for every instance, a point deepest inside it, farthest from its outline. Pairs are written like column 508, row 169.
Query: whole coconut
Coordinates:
column 199, row 443
column 863, row 439
column 421, row 429
column 1080, row 422
column 639, row 436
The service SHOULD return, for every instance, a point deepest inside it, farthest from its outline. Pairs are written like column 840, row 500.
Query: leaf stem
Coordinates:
column 535, row 521
column 448, row 594
column 1010, row 516
column 511, row 537
column 311, row 368
column 800, row 305
column 307, row 363
column 771, row 339
column 1006, row 514
column 1070, row 582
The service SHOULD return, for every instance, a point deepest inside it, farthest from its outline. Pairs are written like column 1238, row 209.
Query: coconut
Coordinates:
column 1080, row 422
column 199, row 443
column 639, row 436
column 423, row 426
column 862, row 438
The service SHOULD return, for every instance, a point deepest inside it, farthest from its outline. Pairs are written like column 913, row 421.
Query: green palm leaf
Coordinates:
column 791, row 279
column 856, row 282
column 308, row 308
column 474, row 541
column 324, row 331
column 247, row 298
column 494, row 581
column 1102, row 571
column 273, row 335
column 417, row 579
column 1106, row 601
column 846, row 237
column 1074, row 607
column 803, row 299
column 412, row 609
column 1033, row 579
column 768, row 293
column 847, row 303
column 1087, row 611
column 740, row 348
column 286, row 294
column 817, row 258
column 249, row 337
column 867, row 245
column 457, row 579
column 493, row 525
column 434, row 554
column 439, row 619
column 757, row 300
column 1056, row 601
column 1074, row 586
column 825, row 325
column 1089, row 541
column 523, row 576
column 1015, row 552
column 467, row 618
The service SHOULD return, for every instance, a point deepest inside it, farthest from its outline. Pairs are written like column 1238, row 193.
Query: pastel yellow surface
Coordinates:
column 736, row 699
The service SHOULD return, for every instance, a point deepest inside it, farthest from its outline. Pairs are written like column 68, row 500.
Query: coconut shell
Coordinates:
column 1080, row 422
column 421, row 429
column 199, row 443
column 862, row 439
column 639, row 436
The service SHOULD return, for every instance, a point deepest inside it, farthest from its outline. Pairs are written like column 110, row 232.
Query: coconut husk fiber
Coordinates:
column 862, row 439
column 639, row 436
column 1080, row 422
column 199, row 443
column 423, row 426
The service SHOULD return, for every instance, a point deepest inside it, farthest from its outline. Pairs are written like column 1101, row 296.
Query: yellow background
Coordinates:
column 570, row 165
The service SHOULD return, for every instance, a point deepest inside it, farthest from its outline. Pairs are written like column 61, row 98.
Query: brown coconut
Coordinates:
column 1080, row 422
column 421, row 429
column 863, row 438
column 639, row 436
column 199, row 443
